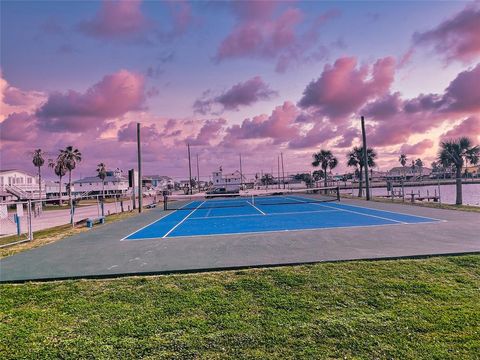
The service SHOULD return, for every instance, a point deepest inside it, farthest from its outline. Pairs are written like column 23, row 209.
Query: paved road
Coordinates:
column 99, row 252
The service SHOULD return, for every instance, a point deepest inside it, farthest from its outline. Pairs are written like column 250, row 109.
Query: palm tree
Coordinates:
column 317, row 175
column 326, row 160
column 71, row 157
column 60, row 169
column 356, row 160
column 454, row 153
column 102, row 174
column 403, row 162
column 38, row 161
column 267, row 179
column 419, row 165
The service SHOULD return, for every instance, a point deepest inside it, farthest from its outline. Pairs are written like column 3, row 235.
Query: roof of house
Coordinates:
column 235, row 175
column 156, row 177
column 18, row 170
column 408, row 169
column 90, row 179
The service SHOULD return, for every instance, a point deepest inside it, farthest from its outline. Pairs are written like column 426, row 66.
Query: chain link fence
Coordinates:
column 19, row 220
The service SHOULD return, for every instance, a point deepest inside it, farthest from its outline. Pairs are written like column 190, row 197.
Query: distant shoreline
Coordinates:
column 383, row 184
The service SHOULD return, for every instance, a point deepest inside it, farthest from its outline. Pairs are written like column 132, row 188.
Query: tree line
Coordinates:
column 65, row 162
column 452, row 154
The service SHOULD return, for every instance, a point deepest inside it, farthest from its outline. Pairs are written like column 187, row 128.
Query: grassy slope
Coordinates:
column 406, row 309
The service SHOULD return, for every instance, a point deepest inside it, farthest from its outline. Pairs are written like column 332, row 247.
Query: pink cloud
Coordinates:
column 469, row 127
column 392, row 120
column 17, row 127
column 418, row 148
column 260, row 33
column 384, row 107
column 264, row 39
column 241, row 94
column 342, row 88
column 113, row 96
column 463, row 93
column 211, row 130
column 280, row 126
column 15, row 100
column 128, row 133
column 182, row 18
column 122, row 19
column 457, row 38
column 247, row 10
column 320, row 133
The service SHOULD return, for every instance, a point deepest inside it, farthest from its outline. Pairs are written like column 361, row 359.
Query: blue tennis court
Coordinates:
column 266, row 214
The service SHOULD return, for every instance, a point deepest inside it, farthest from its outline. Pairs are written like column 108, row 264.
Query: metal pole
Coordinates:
column 365, row 159
column 139, row 154
column 241, row 172
column 198, row 175
column 283, row 171
column 30, row 232
column 439, row 195
column 278, row 171
column 189, row 170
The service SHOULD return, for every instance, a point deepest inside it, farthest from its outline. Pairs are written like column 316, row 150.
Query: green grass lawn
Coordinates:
column 405, row 309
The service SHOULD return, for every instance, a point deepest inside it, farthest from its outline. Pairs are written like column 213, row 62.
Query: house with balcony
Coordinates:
column 115, row 183
column 19, row 185
column 158, row 182
column 230, row 182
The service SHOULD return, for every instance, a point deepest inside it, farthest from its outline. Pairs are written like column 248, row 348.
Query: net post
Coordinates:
column 165, row 202
column 338, row 192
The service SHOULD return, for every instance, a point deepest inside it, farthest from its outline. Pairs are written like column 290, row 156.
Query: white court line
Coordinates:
column 293, row 230
column 153, row 222
column 248, row 202
column 185, row 218
column 355, row 212
column 268, row 214
column 394, row 212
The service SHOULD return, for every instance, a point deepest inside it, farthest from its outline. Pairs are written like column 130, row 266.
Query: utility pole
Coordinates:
column 139, row 155
column 241, row 172
column 365, row 159
column 283, row 171
column 189, row 170
column 198, row 175
column 278, row 171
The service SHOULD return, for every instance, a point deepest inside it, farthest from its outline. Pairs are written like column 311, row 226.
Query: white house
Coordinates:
column 19, row 184
column 115, row 183
column 408, row 173
column 231, row 182
column 158, row 182
column 52, row 188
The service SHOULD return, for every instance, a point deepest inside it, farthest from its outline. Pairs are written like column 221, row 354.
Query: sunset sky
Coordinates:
column 256, row 78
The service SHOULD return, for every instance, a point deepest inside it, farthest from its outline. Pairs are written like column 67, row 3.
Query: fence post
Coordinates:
column 29, row 211
column 72, row 212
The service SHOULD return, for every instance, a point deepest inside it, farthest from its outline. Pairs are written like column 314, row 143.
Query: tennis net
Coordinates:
column 255, row 198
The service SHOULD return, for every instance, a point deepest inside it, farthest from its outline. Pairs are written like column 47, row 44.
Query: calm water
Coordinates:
column 471, row 192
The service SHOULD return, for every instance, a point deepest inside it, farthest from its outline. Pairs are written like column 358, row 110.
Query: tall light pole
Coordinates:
column 283, row 171
column 241, row 172
column 365, row 159
column 278, row 171
column 139, row 158
column 189, row 170
column 198, row 175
